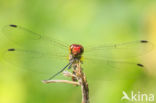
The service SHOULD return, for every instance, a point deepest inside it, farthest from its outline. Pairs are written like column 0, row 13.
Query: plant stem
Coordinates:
column 80, row 81
column 60, row 81
column 83, row 83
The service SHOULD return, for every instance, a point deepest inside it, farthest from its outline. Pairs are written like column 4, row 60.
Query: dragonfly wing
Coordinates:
column 37, row 53
column 112, row 70
column 114, row 61
column 23, row 37
column 120, row 51
column 19, row 34
column 42, row 63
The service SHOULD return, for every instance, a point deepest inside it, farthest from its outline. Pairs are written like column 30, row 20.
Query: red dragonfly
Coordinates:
column 111, row 55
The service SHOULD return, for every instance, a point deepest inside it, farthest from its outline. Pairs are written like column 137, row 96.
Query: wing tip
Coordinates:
column 12, row 25
column 140, row 65
column 144, row 41
column 11, row 49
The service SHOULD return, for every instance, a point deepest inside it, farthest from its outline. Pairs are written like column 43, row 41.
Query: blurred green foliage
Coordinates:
column 88, row 22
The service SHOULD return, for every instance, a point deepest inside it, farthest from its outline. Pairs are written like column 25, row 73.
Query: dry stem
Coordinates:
column 81, row 80
column 60, row 81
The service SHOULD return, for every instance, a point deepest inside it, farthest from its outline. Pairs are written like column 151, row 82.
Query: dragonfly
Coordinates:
column 40, row 46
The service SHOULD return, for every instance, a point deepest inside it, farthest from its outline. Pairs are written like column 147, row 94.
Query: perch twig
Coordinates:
column 83, row 82
column 80, row 81
column 60, row 81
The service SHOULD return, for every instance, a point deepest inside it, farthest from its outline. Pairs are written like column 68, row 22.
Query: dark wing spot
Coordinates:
column 11, row 49
column 140, row 65
column 144, row 41
column 12, row 25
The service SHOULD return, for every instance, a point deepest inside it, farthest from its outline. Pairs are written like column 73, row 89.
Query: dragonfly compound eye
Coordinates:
column 76, row 49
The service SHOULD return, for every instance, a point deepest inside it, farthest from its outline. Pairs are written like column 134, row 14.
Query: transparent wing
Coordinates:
column 117, row 61
column 39, row 63
column 45, row 56
column 120, row 51
column 32, row 54
column 104, row 69
column 23, row 36
column 37, row 53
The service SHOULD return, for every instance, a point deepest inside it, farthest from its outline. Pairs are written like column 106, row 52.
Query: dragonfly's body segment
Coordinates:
column 75, row 54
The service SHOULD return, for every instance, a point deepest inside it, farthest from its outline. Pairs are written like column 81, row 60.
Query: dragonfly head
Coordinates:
column 76, row 50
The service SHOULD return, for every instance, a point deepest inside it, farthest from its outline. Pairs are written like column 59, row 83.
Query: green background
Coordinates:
column 88, row 22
